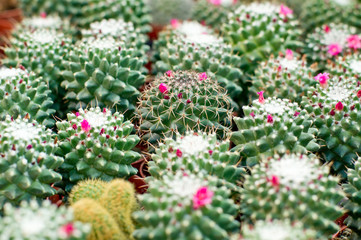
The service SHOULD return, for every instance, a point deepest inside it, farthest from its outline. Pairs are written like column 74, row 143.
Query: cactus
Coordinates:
column 40, row 221
column 197, row 152
column 347, row 66
column 23, row 93
column 273, row 125
column 27, row 161
column 295, row 187
column 90, row 188
column 334, row 106
column 260, row 29
column 181, row 101
column 353, row 206
column 36, row 7
column 44, row 21
column 103, row 72
column 285, row 76
column 213, row 13
column 186, row 206
column 96, row 144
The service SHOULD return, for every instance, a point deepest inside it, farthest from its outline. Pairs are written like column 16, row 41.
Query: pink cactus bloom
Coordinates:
column 260, row 97
column 269, row 118
column 202, row 76
column 163, row 88
column 275, row 181
column 210, row 152
column 359, row 94
column 77, row 114
column 174, row 23
column 180, row 95
column 296, row 114
column 43, row 15
column 179, row 153
column 323, row 78
column 289, row 54
column 202, row 197
column 285, row 10
column 104, row 110
column 334, row 49
column 326, row 28
column 339, row 106
column 68, row 229
column 85, row 126
column 169, row 73
column 215, row 2
column 354, row 42
column 252, row 114
column 75, row 126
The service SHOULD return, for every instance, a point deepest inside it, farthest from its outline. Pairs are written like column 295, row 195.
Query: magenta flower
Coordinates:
column 75, row 126
column 43, row 15
column 359, row 94
column 169, row 73
column 174, row 22
column 85, row 126
column 260, row 97
column 202, row 76
column 326, row 28
column 296, row 114
column 202, row 197
column 189, row 101
column 354, row 42
column 77, row 114
column 102, row 131
column 163, row 88
column 289, row 54
column 179, row 153
column 322, row 78
column 180, row 95
column 339, row 106
column 210, row 152
column 275, row 181
column 252, row 114
column 215, row 2
column 68, row 229
column 104, row 110
column 285, row 10
column 334, row 49
column 269, row 118
column 29, row 147
column 166, row 97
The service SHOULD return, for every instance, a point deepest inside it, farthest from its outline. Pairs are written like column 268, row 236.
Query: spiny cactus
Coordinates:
column 36, row 7
column 348, row 66
column 23, row 93
column 197, row 152
column 213, row 12
column 44, row 21
column 103, row 72
column 96, row 144
column 186, row 206
column 295, row 187
column 353, row 206
column 273, row 125
column 285, row 76
column 329, row 41
column 334, row 106
column 181, row 101
column 90, row 188
column 258, row 30
column 44, row 221
column 27, row 161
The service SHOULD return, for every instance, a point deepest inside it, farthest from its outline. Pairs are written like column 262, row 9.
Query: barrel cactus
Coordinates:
column 295, row 187
column 36, row 7
column 45, row 21
column 348, row 66
column 186, row 206
column 28, row 161
column 23, row 93
column 334, row 106
column 258, row 30
column 270, row 125
column 41, row 221
column 181, row 101
column 96, row 144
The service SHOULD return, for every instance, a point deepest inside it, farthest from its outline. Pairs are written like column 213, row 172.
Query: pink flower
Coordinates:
column 322, row 78
column 359, row 94
column 179, row 153
column 210, row 152
column 77, row 114
column 43, row 15
column 354, row 42
column 169, row 73
column 275, row 181
column 174, row 22
column 202, row 197
column 252, row 114
column 102, row 131
column 326, row 28
column 289, row 54
column 260, row 97
column 166, row 97
column 67, row 229
column 104, row 110
column 85, row 126
column 75, row 126
column 269, row 118
column 188, row 101
column 29, row 147
column 163, row 88
column 285, row 10
column 202, row 76
column 296, row 114
column 215, row 2
column 334, row 49
column 339, row 106
column 180, row 95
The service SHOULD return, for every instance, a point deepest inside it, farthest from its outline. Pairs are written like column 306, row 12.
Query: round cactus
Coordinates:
column 284, row 77
column 23, row 93
column 181, row 101
column 273, row 125
column 96, row 144
column 27, row 161
column 197, row 152
column 34, row 221
column 44, row 21
column 258, row 30
column 347, row 66
column 36, row 7
column 295, row 187
column 353, row 206
column 90, row 188
column 186, row 206
column 103, row 72
column 334, row 106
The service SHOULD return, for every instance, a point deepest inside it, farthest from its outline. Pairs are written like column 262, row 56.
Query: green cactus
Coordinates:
column 23, row 93
column 186, row 206
column 181, row 101
column 96, row 144
column 295, row 187
column 335, row 108
column 258, row 30
column 36, row 7
column 90, row 188
column 104, row 227
column 41, row 221
column 273, row 125
column 27, row 161
column 285, row 76
column 103, row 72
column 44, row 21
column 197, row 152
column 347, row 66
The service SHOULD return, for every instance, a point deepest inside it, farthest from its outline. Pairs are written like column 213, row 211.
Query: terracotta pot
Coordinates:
column 153, row 35
column 140, row 185
column 8, row 20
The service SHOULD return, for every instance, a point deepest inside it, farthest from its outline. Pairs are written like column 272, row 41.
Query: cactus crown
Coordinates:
column 39, row 22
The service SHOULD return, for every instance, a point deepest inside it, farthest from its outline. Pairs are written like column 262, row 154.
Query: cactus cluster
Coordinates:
column 346, row 66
